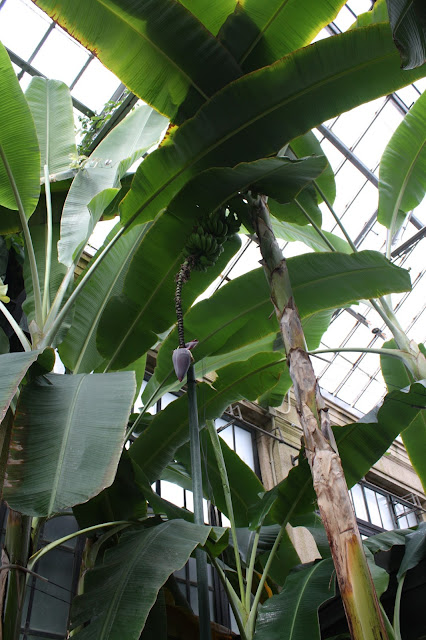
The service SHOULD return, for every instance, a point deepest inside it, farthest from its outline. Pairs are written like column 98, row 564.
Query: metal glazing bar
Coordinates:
column 82, row 70
column 405, row 246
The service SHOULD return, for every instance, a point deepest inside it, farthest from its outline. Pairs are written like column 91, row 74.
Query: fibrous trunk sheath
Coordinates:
column 355, row 583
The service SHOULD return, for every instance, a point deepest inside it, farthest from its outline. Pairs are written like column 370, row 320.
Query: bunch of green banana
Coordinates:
column 203, row 249
column 205, row 244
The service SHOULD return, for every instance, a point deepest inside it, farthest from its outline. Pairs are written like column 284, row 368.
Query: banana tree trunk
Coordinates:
column 356, row 586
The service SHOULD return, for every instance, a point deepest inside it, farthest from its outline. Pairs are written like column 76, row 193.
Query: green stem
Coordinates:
column 388, row 626
column 250, row 571
column 315, row 226
column 336, row 217
column 17, row 541
column 197, row 490
column 397, row 609
column 52, row 545
column 390, row 320
column 28, row 242
column 234, row 601
column 228, row 500
column 49, row 240
column 253, row 611
column 15, row 326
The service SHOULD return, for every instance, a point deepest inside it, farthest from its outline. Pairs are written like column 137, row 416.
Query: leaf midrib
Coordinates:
column 299, row 598
column 262, row 32
column 65, row 437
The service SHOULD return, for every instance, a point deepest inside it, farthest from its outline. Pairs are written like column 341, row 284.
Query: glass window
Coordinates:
column 373, row 508
column 244, row 446
column 359, row 502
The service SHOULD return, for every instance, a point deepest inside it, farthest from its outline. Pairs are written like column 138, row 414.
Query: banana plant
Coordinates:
column 240, row 86
column 49, row 419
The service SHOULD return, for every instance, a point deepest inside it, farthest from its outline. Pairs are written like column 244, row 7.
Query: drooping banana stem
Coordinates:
column 182, row 277
column 197, row 490
column 355, row 583
column 195, row 449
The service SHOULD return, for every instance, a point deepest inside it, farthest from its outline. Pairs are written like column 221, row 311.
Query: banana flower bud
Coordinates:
column 182, row 359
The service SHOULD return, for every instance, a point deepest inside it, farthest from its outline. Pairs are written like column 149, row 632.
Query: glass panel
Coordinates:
column 244, row 446
column 192, row 570
column 359, row 504
column 167, row 399
column 59, row 527
column 51, row 602
column 226, row 434
column 193, row 595
column 60, row 57
column 172, row 493
column 372, row 507
column 412, row 519
column 96, row 86
column 180, row 573
column 385, row 511
column 21, row 28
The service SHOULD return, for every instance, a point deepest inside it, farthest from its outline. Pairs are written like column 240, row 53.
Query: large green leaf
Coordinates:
column 402, row 182
column 102, row 173
column 157, row 48
column 67, row 438
column 121, row 590
column 244, row 484
column 13, row 367
column 408, row 22
column 78, row 350
column 259, row 33
column 293, row 614
column 19, row 150
column 256, row 115
column 123, row 500
column 239, row 313
column 132, row 322
column 51, row 107
column 285, row 558
column 309, row 236
column 414, row 436
column 157, row 444
column 415, row 550
column 295, row 211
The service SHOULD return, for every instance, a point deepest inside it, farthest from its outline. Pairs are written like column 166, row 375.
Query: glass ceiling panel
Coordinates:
column 354, row 378
column 60, row 57
column 21, row 27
